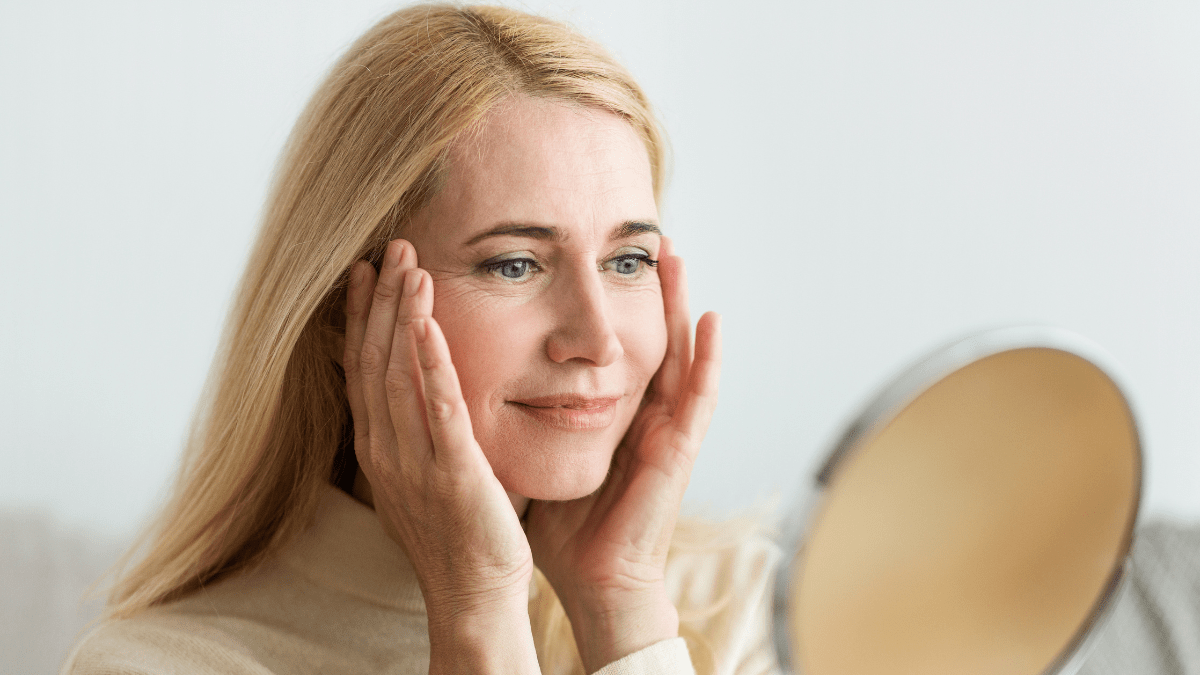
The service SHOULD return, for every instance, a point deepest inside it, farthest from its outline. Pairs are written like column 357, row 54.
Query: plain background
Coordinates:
column 855, row 183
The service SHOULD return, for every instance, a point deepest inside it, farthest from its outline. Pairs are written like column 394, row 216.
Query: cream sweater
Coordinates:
column 343, row 598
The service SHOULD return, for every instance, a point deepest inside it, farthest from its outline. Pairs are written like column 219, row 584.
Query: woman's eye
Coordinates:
column 630, row 263
column 513, row 270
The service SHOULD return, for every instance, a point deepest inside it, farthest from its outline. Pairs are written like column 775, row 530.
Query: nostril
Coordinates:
column 595, row 342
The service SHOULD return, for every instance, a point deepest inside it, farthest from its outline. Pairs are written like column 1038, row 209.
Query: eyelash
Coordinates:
column 493, row 268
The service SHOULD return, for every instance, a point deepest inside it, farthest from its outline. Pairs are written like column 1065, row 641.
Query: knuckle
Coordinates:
column 706, row 397
column 447, row 489
column 373, row 361
column 351, row 364
column 439, row 410
column 397, row 382
column 680, row 438
column 384, row 292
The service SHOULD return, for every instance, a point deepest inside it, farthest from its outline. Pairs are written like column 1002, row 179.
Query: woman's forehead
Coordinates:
column 539, row 161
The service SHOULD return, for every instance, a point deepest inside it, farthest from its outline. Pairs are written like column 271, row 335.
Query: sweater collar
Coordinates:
column 346, row 549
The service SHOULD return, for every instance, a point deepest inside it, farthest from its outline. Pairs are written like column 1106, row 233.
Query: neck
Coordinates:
column 362, row 492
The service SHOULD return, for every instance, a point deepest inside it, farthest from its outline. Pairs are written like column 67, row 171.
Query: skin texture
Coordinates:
column 567, row 377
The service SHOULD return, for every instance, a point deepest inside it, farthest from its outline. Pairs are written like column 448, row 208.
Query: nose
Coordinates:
column 583, row 328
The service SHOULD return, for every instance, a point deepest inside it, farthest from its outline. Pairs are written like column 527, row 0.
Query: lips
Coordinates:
column 570, row 411
column 571, row 401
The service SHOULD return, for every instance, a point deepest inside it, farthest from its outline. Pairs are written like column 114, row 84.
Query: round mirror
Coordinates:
column 975, row 518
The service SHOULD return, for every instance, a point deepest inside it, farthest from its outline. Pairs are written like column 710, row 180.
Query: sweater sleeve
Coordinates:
column 725, row 601
column 669, row 657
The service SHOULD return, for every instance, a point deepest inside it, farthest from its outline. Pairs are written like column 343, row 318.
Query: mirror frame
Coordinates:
column 887, row 404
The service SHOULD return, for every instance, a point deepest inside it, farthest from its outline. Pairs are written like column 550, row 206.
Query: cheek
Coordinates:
column 490, row 345
column 644, row 335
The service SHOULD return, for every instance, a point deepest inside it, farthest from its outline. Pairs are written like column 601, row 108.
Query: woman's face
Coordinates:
column 536, row 245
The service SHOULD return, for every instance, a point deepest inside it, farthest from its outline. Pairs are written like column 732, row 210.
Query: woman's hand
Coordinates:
column 604, row 554
column 432, row 487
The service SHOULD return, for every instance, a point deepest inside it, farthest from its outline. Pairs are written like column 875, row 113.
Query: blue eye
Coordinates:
column 513, row 269
column 630, row 263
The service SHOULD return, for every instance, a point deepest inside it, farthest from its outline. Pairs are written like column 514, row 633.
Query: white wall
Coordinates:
column 855, row 183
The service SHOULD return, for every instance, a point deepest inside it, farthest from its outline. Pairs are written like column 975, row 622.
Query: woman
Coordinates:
column 461, row 312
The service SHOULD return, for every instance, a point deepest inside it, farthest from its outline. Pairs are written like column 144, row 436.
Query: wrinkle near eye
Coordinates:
column 467, row 298
column 440, row 274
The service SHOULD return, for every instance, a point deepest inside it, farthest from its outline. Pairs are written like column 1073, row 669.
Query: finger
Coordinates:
column 358, row 305
column 405, row 391
column 700, row 397
column 376, row 351
column 666, row 247
column 446, row 412
column 678, row 359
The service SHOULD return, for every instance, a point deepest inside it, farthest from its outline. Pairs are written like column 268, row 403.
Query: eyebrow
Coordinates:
column 625, row 230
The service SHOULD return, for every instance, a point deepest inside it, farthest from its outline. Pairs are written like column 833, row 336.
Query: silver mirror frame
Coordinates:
column 897, row 394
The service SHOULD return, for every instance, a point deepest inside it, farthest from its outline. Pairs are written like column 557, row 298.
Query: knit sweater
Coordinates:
column 343, row 598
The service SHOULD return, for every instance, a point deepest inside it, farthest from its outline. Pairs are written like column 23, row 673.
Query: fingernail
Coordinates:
column 412, row 282
column 420, row 330
column 356, row 274
column 392, row 257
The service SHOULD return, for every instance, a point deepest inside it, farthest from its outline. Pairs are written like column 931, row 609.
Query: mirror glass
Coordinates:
column 980, row 527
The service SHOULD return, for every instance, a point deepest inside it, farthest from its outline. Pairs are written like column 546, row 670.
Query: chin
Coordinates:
column 558, row 478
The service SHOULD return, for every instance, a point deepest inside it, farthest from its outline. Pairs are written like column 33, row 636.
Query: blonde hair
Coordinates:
column 369, row 149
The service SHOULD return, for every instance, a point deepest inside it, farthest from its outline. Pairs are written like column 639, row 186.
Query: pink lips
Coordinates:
column 571, row 411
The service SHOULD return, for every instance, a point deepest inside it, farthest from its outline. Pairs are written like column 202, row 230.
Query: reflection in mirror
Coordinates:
column 980, row 528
